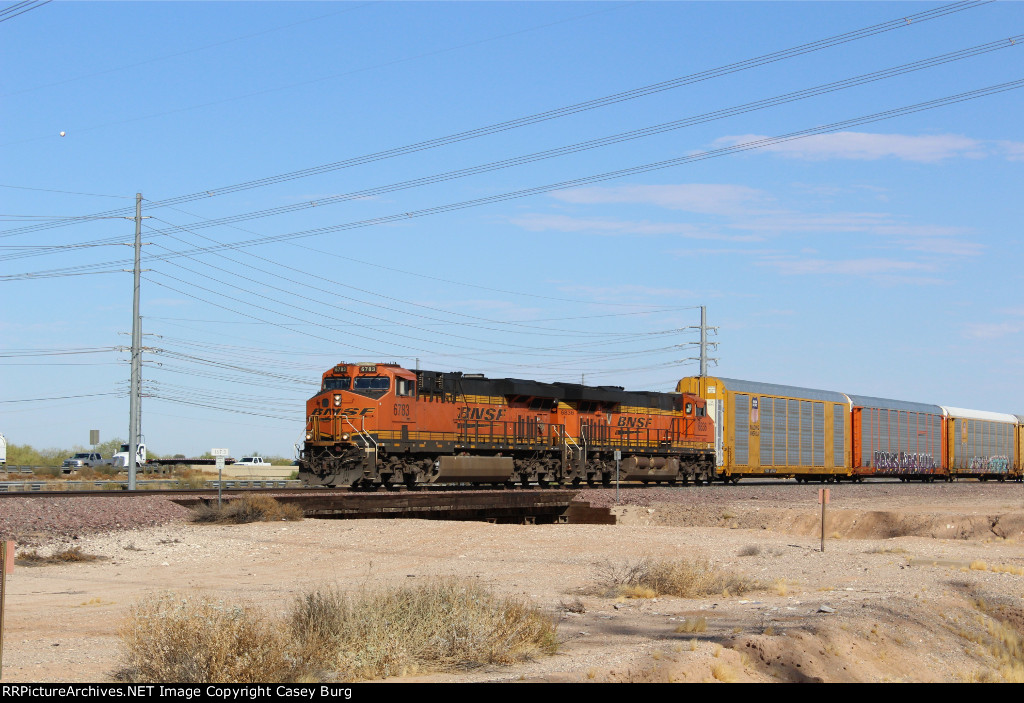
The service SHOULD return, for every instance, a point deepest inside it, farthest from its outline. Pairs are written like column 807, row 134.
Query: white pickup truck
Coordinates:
column 251, row 461
column 83, row 459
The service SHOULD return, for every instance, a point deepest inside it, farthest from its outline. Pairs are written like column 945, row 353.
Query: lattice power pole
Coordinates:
column 704, row 343
column 134, row 404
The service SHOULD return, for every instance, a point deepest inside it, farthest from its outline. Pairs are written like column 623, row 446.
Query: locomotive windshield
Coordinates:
column 337, row 384
column 372, row 383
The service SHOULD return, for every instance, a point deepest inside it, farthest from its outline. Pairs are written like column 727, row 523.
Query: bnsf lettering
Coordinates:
column 401, row 410
column 491, row 414
column 637, row 422
column 357, row 411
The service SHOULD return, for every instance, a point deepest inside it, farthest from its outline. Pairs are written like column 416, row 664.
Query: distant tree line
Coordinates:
column 27, row 455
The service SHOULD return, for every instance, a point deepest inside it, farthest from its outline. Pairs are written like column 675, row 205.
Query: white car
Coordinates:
column 251, row 461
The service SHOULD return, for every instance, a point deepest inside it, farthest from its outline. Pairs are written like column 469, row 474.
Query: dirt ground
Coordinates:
column 916, row 583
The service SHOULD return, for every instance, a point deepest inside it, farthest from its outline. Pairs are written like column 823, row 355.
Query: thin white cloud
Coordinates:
column 992, row 330
column 634, row 293
column 704, row 198
column 1014, row 150
column 851, row 267
column 866, row 146
column 941, row 246
column 612, row 227
column 723, row 252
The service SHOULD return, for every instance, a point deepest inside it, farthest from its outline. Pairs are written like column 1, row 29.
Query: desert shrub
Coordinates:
column 693, row 625
column 192, row 639
column 440, row 626
column 685, row 578
column 751, row 550
column 252, row 507
column 72, row 554
column 443, row 625
column 192, row 479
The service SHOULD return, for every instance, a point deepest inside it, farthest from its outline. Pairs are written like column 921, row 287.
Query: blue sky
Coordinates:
column 880, row 258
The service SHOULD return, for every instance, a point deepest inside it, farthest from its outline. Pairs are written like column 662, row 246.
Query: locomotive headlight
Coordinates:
column 344, row 437
column 337, row 400
column 309, row 435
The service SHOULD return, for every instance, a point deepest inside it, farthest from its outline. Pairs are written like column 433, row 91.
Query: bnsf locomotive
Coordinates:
column 380, row 424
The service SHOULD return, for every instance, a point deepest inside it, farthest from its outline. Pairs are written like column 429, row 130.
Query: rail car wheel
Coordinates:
column 734, row 480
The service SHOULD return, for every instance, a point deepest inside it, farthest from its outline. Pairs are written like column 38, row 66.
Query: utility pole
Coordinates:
column 135, row 393
column 704, row 343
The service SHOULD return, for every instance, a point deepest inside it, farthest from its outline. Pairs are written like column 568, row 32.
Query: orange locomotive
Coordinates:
column 376, row 423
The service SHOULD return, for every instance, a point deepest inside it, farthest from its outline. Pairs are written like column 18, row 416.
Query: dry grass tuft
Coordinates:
column 693, row 625
column 751, row 550
column 573, row 606
column 978, row 565
column 252, row 507
column 189, row 639
column 442, row 625
column 439, row 626
column 724, row 673
column 1004, row 642
column 685, row 578
column 73, row 554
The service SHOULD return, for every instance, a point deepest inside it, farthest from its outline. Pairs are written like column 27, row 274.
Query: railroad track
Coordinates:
column 426, row 488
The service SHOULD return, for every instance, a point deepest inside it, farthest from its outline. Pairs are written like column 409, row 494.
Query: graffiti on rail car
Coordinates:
column 905, row 461
column 992, row 464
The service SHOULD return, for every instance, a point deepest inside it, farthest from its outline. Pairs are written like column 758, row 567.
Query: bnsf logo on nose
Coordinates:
column 356, row 411
column 638, row 422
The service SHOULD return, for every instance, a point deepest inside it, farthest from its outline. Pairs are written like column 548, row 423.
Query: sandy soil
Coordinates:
column 915, row 584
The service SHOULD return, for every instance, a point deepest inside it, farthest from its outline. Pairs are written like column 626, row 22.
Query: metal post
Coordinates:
column 5, row 557
column 618, row 456
column 134, row 421
column 823, row 498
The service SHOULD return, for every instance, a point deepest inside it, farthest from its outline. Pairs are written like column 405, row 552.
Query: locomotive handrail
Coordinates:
column 363, row 434
column 566, row 437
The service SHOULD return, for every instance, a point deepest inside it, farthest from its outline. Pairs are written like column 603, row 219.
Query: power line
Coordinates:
column 564, row 185
column 634, row 170
column 558, row 112
column 406, row 303
column 643, row 132
column 10, row 13
column 62, row 397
